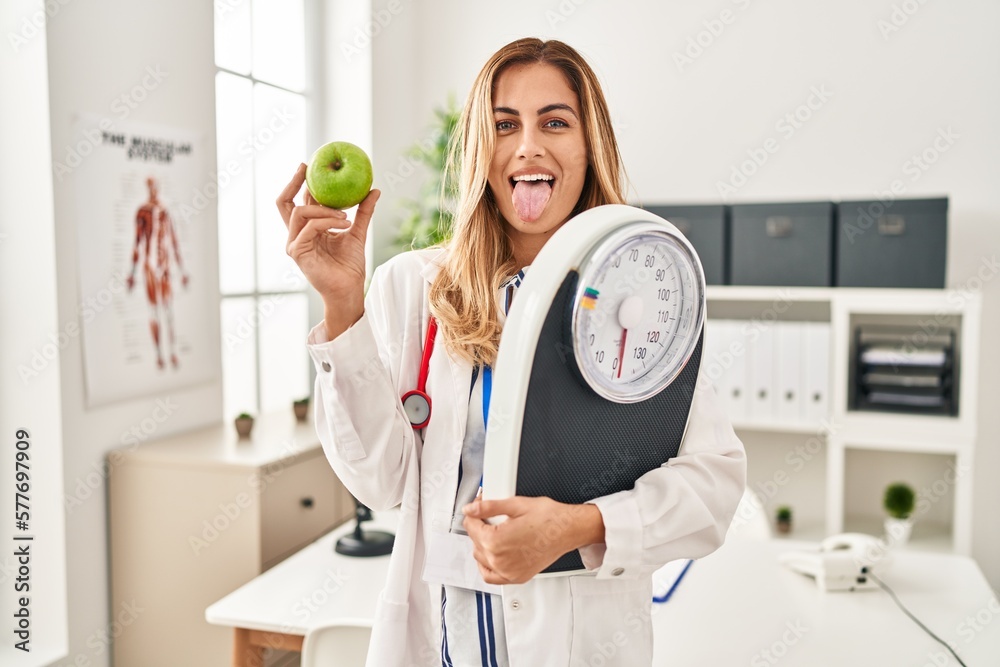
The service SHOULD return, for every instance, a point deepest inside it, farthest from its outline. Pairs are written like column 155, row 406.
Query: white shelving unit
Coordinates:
column 862, row 451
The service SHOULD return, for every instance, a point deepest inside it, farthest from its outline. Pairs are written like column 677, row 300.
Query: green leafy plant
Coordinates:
column 244, row 415
column 301, row 401
column 899, row 500
column 429, row 220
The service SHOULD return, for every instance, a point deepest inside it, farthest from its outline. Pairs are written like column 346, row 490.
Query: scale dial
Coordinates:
column 638, row 312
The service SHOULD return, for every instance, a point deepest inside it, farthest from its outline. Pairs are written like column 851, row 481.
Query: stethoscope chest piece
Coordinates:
column 417, row 406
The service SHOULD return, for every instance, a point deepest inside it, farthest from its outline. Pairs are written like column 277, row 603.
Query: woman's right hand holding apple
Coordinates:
column 332, row 261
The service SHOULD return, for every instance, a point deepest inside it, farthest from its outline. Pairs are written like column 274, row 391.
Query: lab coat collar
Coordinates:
column 433, row 266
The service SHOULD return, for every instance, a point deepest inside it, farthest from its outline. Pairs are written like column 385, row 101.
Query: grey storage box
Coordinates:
column 782, row 244
column 901, row 243
column 705, row 227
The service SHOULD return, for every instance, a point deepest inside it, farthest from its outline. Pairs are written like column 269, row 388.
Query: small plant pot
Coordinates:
column 897, row 531
column 243, row 426
column 784, row 526
column 301, row 411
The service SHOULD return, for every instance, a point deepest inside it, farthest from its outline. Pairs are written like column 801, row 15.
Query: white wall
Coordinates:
column 28, row 317
column 682, row 129
column 98, row 51
column 400, row 111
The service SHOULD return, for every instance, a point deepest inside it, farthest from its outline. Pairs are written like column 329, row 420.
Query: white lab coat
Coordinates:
column 682, row 509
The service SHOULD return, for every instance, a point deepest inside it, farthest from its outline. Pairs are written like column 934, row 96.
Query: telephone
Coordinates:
column 842, row 562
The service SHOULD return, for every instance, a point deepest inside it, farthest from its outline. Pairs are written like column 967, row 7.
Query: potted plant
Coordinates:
column 783, row 519
column 244, row 424
column 898, row 501
column 301, row 408
column 429, row 219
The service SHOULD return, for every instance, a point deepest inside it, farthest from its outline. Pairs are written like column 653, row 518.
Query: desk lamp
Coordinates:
column 364, row 543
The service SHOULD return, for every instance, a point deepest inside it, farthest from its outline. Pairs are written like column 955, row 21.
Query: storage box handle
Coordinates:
column 891, row 224
column 779, row 225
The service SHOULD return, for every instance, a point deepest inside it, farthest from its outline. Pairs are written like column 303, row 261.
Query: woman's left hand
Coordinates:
column 536, row 533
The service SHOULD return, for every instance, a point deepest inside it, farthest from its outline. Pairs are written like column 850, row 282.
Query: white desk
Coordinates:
column 730, row 608
column 739, row 602
column 312, row 587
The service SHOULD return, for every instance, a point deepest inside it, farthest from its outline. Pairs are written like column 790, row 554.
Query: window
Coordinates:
column 261, row 104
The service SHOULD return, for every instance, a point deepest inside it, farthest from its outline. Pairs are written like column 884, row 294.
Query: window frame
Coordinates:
column 312, row 100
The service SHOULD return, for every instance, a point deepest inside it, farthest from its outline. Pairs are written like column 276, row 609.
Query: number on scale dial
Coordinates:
column 638, row 312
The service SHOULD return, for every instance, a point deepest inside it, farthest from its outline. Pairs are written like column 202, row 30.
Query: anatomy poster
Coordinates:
column 148, row 303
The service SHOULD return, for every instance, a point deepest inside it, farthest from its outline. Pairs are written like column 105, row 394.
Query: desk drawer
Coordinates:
column 299, row 502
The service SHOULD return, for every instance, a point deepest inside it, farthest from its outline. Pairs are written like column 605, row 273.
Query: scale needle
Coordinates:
column 629, row 315
column 621, row 352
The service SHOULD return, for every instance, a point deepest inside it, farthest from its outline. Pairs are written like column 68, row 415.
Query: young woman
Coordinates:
column 536, row 147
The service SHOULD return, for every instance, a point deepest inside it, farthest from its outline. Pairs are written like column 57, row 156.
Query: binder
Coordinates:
column 733, row 385
column 715, row 344
column 816, row 352
column 763, row 407
column 789, row 361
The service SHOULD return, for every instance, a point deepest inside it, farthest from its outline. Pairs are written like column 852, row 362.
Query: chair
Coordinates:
column 342, row 643
column 750, row 521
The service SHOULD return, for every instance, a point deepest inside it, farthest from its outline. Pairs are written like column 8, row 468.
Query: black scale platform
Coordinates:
column 613, row 444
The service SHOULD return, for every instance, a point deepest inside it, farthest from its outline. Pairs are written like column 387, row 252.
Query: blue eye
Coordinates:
column 504, row 125
column 555, row 122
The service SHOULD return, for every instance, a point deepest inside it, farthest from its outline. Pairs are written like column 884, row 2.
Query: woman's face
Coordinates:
column 540, row 162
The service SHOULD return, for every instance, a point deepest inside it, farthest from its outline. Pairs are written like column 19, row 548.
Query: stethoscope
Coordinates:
column 417, row 403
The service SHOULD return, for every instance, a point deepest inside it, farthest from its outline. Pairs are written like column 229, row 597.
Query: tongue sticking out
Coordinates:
column 530, row 198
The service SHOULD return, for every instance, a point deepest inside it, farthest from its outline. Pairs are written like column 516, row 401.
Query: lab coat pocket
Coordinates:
column 611, row 621
column 348, row 443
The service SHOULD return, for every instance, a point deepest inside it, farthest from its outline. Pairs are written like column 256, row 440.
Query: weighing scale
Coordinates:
column 597, row 363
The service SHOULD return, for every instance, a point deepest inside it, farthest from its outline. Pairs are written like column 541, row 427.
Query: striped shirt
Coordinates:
column 472, row 627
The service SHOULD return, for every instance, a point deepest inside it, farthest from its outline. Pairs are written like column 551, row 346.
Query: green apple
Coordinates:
column 339, row 175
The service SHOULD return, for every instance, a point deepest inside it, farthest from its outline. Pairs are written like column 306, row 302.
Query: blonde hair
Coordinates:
column 479, row 256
